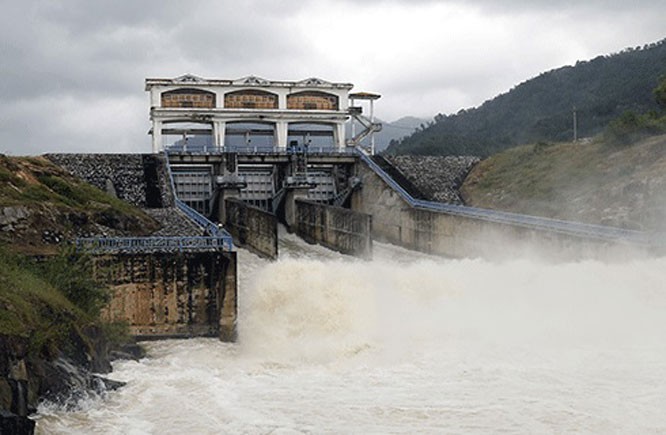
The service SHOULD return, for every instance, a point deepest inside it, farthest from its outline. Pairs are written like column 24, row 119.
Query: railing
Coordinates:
column 534, row 222
column 217, row 239
column 151, row 244
column 258, row 150
column 213, row 229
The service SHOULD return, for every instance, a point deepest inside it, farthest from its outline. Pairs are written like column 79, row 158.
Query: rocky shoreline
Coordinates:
column 65, row 377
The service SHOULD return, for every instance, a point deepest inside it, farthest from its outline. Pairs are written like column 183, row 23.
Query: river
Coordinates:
column 406, row 343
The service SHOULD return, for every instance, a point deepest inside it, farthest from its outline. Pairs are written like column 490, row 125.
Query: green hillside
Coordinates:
column 541, row 109
column 598, row 182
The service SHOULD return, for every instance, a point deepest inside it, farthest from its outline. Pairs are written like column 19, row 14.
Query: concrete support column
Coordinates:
column 155, row 97
column 157, row 136
column 219, row 132
column 281, row 133
column 227, row 299
column 339, row 135
column 282, row 101
column 293, row 194
column 224, row 194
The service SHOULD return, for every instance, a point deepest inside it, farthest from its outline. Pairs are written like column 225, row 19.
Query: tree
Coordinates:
column 660, row 93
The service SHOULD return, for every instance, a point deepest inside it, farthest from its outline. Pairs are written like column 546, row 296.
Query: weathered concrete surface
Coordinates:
column 395, row 221
column 290, row 212
column 336, row 228
column 171, row 295
column 252, row 227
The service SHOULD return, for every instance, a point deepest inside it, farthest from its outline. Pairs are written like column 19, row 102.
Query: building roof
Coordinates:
column 249, row 81
column 364, row 96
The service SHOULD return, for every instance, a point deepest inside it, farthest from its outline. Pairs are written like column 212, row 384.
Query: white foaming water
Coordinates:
column 407, row 343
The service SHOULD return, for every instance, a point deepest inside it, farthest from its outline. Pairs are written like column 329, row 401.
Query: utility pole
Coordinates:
column 575, row 126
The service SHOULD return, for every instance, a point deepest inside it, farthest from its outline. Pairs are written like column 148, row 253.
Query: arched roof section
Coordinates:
column 188, row 98
column 250, row 99
column 312, row 100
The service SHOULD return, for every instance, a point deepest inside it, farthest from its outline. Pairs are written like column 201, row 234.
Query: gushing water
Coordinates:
column 407, row 343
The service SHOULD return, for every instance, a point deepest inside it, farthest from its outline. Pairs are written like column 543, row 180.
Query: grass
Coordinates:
column 32, row 308
column 35, row 180
column 46, row 301
column 576, row 181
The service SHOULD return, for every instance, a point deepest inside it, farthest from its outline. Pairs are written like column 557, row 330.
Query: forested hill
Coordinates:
column 541, row 109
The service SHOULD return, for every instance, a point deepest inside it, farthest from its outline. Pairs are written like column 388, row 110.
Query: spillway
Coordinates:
column 406, row 343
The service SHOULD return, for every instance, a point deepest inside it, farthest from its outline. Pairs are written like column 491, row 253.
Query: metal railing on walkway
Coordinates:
column 259, row 150
column 151, row 244
column 217, row 238
column 533, row 222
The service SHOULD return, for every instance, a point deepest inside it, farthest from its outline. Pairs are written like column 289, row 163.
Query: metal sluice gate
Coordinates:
column 195, row 186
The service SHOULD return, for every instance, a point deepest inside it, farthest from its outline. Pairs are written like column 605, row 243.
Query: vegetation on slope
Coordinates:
column 45, row 300
column 602, row 181
column 42, row 205
column 541, row 109
column 49, row 301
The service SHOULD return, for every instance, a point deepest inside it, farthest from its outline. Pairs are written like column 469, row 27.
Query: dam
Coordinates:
column 233, row 160
column 320, row 291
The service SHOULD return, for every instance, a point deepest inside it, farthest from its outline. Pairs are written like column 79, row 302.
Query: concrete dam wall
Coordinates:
column 166, row 291
column 165, row 295
column 340, row 229
column 397, row 221
column 252, row 227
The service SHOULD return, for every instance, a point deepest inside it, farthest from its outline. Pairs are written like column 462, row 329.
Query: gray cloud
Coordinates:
column 73, row 70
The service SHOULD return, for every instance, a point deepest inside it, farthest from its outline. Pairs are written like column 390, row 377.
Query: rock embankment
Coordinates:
column 27, row 377
column 438, row 178
column 139, row 179
column 174, row 223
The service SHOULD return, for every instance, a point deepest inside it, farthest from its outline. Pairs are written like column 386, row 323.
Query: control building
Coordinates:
column 220, row 115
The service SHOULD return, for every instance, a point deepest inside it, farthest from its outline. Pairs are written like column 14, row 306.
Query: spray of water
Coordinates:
column 407, row 343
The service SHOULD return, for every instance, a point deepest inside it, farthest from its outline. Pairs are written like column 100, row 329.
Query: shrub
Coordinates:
column 631, row 127
column 71, row 274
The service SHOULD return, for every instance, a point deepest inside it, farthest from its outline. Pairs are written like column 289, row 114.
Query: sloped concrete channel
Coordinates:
column 402, row 216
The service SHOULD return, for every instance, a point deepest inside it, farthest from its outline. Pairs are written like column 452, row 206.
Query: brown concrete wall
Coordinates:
column 396, row 222
column 164, row 295
column 336, row 228
column 252, row 227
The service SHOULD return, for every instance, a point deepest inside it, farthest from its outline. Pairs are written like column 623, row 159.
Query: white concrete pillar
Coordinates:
column 219, row 132
column 282, row 100
column 353, row 124
column 157, row 136
column 281, row 133
column 156, row 97
column 339, row 135
column 372, row 121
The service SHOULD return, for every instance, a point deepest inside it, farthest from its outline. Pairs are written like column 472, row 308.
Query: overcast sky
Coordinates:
column 73, row 71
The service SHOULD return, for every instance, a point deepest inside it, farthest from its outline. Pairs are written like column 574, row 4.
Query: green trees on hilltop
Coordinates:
column 660, row 93
column 541, row 109
column 631, row 126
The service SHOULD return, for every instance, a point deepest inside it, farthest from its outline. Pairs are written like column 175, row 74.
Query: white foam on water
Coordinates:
column 407, row 343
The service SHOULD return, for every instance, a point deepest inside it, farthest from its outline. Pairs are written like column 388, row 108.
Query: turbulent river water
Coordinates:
column 406, row 343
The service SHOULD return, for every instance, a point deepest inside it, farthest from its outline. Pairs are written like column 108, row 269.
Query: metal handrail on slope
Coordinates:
column 218, row 239
column 149, row 244
column 533, row 222
column 213, row 229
